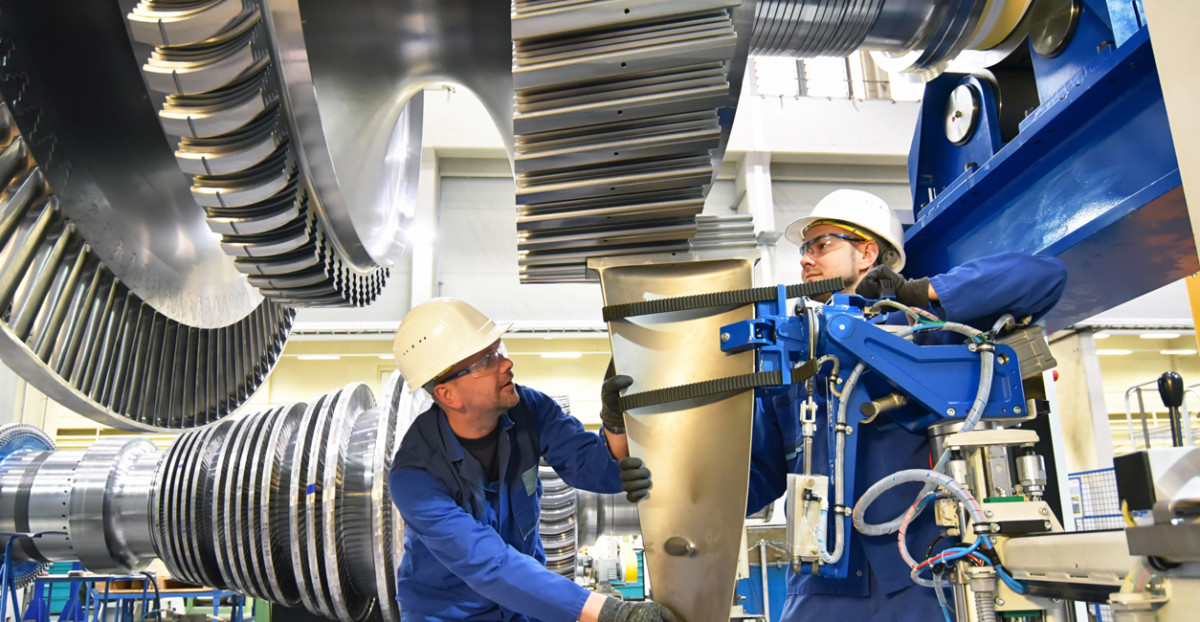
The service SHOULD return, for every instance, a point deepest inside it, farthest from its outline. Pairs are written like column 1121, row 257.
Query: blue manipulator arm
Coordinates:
column 868, row 370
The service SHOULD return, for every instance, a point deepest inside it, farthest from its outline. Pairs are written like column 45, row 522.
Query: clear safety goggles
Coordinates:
column 489, row 363
column 825, row 243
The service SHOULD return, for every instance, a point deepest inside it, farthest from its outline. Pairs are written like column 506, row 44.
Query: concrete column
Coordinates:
column 12, row 395
column 423, row 234
column 1087, row 437
column 753, row 185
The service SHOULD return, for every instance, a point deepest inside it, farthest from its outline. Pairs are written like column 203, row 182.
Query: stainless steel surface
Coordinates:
column 105, row 159
column 700, row 470
column 804, row 28
column 98, row 534
column 557, row 524
column 273, row 489
column 914, row 36
column 22, row 449
column 618, row 125
column 339, row 520
column 227, row 505
column 1051, row 25
column 238, row 93
column 603, row 515
column 85, row 339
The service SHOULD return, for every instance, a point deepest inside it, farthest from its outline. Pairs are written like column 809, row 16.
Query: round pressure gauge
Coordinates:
column 962, row 113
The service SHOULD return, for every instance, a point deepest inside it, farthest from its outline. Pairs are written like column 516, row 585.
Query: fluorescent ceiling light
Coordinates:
column 318, row 357
column 1113, row 352
column 1101, row 335
column 1177, row 352
column 386, row 357
column 1158, row 335
column 561, row 355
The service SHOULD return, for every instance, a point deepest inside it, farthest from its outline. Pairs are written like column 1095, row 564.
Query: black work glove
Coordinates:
column 610, row 403
column 635, row 479
column 883, row 281
column 621, row 611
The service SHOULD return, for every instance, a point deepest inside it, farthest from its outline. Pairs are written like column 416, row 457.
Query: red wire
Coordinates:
column 932, row 559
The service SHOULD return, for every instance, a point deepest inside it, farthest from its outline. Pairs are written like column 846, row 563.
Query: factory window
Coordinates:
column 854, row 77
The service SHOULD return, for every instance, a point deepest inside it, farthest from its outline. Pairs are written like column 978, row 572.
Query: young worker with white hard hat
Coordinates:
column 465, row 479
column 855, row 235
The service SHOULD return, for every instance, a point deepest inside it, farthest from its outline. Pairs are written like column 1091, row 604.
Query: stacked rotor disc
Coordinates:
column 218, row 67
column 557, row 522
column 285, row 505
column 617, row 126
column 288, row 505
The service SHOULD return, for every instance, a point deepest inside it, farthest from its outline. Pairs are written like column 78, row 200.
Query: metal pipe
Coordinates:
column 766, row 591
column 1142, row 411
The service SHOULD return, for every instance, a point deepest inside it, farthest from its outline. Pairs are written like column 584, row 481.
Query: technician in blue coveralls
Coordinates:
column 854, row 235
column 465, row 479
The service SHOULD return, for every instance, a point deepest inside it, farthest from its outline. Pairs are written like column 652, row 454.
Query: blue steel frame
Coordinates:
column 1091, row 178
column 941, row 380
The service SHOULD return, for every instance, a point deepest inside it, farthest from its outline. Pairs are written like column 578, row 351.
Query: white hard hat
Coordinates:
column 437, row 335
column 860, row 211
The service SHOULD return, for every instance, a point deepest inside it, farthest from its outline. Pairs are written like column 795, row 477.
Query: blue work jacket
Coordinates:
column 471, row 549
column 975, row 293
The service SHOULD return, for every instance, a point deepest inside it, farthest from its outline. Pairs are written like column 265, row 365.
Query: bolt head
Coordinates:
column 1043, row 511
column 995, row 527
column 989, row 513
column 1017, row 410
column 1000, row 601
column 951, row 412
column 724, row 336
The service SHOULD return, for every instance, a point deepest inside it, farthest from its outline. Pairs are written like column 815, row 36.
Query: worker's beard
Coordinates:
column 850, row 278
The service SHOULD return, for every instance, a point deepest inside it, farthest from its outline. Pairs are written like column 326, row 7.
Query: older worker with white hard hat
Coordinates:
column 465, row 479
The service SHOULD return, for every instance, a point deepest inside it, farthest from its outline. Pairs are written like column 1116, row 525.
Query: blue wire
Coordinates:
column 941, row 597
column 1012, row 583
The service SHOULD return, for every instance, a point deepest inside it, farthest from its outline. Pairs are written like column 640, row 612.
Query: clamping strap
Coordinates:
column 719, row 385
column 735, row 298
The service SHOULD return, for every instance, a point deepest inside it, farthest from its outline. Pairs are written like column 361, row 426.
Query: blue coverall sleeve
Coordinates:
column 478, row 555
column 768, row 458
column 578, row 456
column 980, row 291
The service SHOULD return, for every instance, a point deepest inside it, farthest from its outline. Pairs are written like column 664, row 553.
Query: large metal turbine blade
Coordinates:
column 84, row 337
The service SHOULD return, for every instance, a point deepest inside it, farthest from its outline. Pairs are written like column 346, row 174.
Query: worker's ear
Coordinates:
column 867, row 255
column 446, row 396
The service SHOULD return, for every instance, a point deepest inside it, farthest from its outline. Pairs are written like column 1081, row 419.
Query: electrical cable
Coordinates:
column 157, row 596
column 941, row 596
column 987, row 361
column 941, row 536
column 1127, row 514
column 839, row 488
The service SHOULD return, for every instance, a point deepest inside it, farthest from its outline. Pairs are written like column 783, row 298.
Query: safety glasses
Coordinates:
column 487, row 364
column 825, row 243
